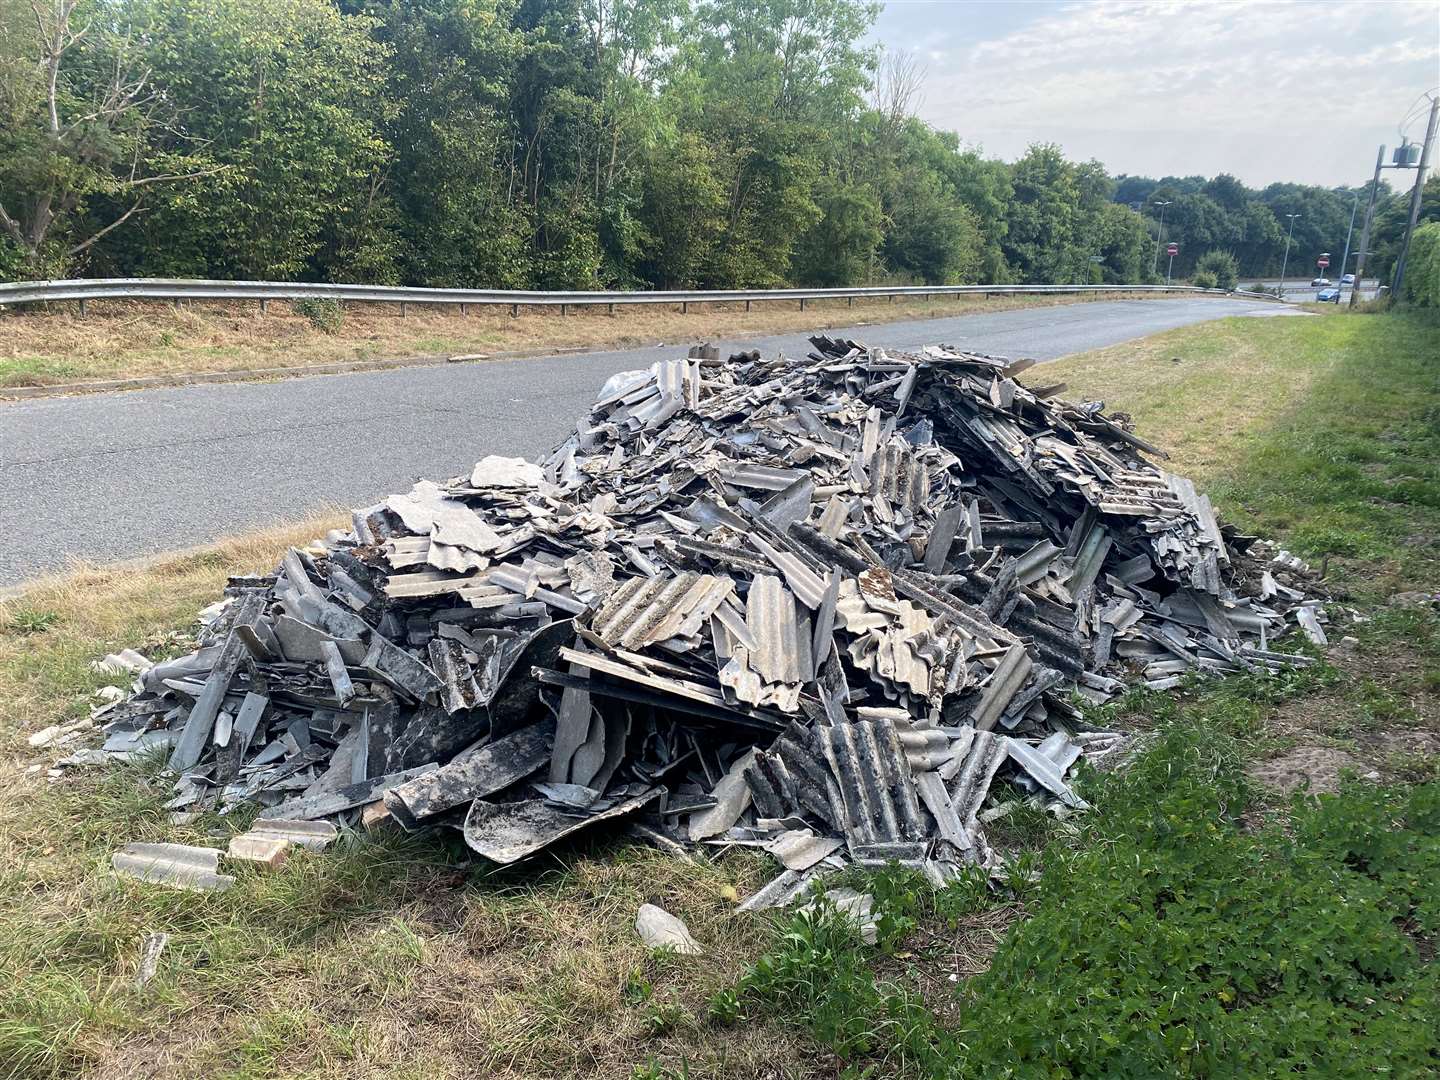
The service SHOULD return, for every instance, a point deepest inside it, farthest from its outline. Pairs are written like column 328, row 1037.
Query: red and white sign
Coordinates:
column 1322, row 262
column 1172, row 249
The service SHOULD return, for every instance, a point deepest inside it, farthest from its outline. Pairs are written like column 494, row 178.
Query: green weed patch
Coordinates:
column 1173, row 941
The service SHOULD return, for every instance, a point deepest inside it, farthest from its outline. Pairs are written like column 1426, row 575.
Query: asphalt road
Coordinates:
column 119, row 476
column 1300, row 291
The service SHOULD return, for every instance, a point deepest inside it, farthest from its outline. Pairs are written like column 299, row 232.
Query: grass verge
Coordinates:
column 127, row 339
column 1198, row 923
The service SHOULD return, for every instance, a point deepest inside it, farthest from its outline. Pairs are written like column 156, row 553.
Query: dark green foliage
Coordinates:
column 1221, row 267
column 525, row 143
column 1223, row 216
column 1422, row 270
column 562, row 144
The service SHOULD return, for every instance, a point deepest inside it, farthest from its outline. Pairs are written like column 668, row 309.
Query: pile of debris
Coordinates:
column 817, row 606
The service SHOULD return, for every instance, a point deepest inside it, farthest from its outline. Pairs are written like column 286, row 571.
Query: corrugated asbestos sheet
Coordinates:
column 831, row 607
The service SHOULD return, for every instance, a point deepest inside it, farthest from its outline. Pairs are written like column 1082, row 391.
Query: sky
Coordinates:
column 1265, row 90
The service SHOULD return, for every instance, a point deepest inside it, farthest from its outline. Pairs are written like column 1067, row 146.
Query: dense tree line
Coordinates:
column 1222, row 214
column 541, row 143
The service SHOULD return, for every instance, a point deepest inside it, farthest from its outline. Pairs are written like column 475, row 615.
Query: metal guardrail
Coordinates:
column 180, row 289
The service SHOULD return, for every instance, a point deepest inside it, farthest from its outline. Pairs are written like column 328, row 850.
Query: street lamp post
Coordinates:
column 1345, row 259
column 1284, row 263
column 1159, row 236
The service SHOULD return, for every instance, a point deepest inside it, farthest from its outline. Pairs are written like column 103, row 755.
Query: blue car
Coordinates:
column 1330, row 295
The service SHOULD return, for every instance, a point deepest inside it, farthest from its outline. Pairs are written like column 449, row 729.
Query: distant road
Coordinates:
column 116, row 476
column 1300, row 290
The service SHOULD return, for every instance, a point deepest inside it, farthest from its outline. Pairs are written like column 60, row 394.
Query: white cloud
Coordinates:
column 1267, row 90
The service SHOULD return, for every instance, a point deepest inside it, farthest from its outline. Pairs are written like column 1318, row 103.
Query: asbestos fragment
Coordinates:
column 178, row 866
column 268, row 852
column 476, row 774
column 658, row 929
column 507, row 832
column 732, row 797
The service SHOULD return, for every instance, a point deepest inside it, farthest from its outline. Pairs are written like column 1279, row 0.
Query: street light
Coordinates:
column 1286, row 261
column 1345, row 258
column 1159, row 235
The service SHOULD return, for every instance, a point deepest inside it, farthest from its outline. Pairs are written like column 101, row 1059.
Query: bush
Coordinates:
column 1221, row 266
column 1422, row 269
column 1206, row 280
column 326, row 315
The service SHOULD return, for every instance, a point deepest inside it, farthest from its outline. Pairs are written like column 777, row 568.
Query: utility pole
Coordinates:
column 1345, row 259
column 1365, row 228
column 1415, row 196
column 1159, row 235
column 1284, row 263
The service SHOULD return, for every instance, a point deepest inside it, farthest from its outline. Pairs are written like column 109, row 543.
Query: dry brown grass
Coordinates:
column 1202, row 396
column 125, row 339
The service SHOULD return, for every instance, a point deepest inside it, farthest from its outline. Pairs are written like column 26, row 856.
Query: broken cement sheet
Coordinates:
column 179, row 866
column 661, row 930
column 829, row 606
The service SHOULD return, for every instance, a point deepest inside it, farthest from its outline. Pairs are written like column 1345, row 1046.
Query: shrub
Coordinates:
column 1422, row 268
column 1206, row 280
column 1220, row 265
column 323, row 314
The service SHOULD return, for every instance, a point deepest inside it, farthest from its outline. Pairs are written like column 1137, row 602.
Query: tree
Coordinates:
column 776, row 84
column 86, row 138
column 287, row 95
column 1040, row 224
column 447, row 120
column 840, row 248
column 1221, row 267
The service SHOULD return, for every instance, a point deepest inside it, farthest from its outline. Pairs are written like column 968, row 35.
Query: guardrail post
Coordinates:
column 610, row 309
column 890, row 299
column 514, row 311
column 849, row 301
column 684, row 308
column 462, row 311
column 562, row 310
column 747, row 305
column 264, row 306
column 82, row 307
column 403, row 306
column 802, row 303
column 176, row 302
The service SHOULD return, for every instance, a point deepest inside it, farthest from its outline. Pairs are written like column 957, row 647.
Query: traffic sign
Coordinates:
column 1172, row 249
column 1322, row 262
